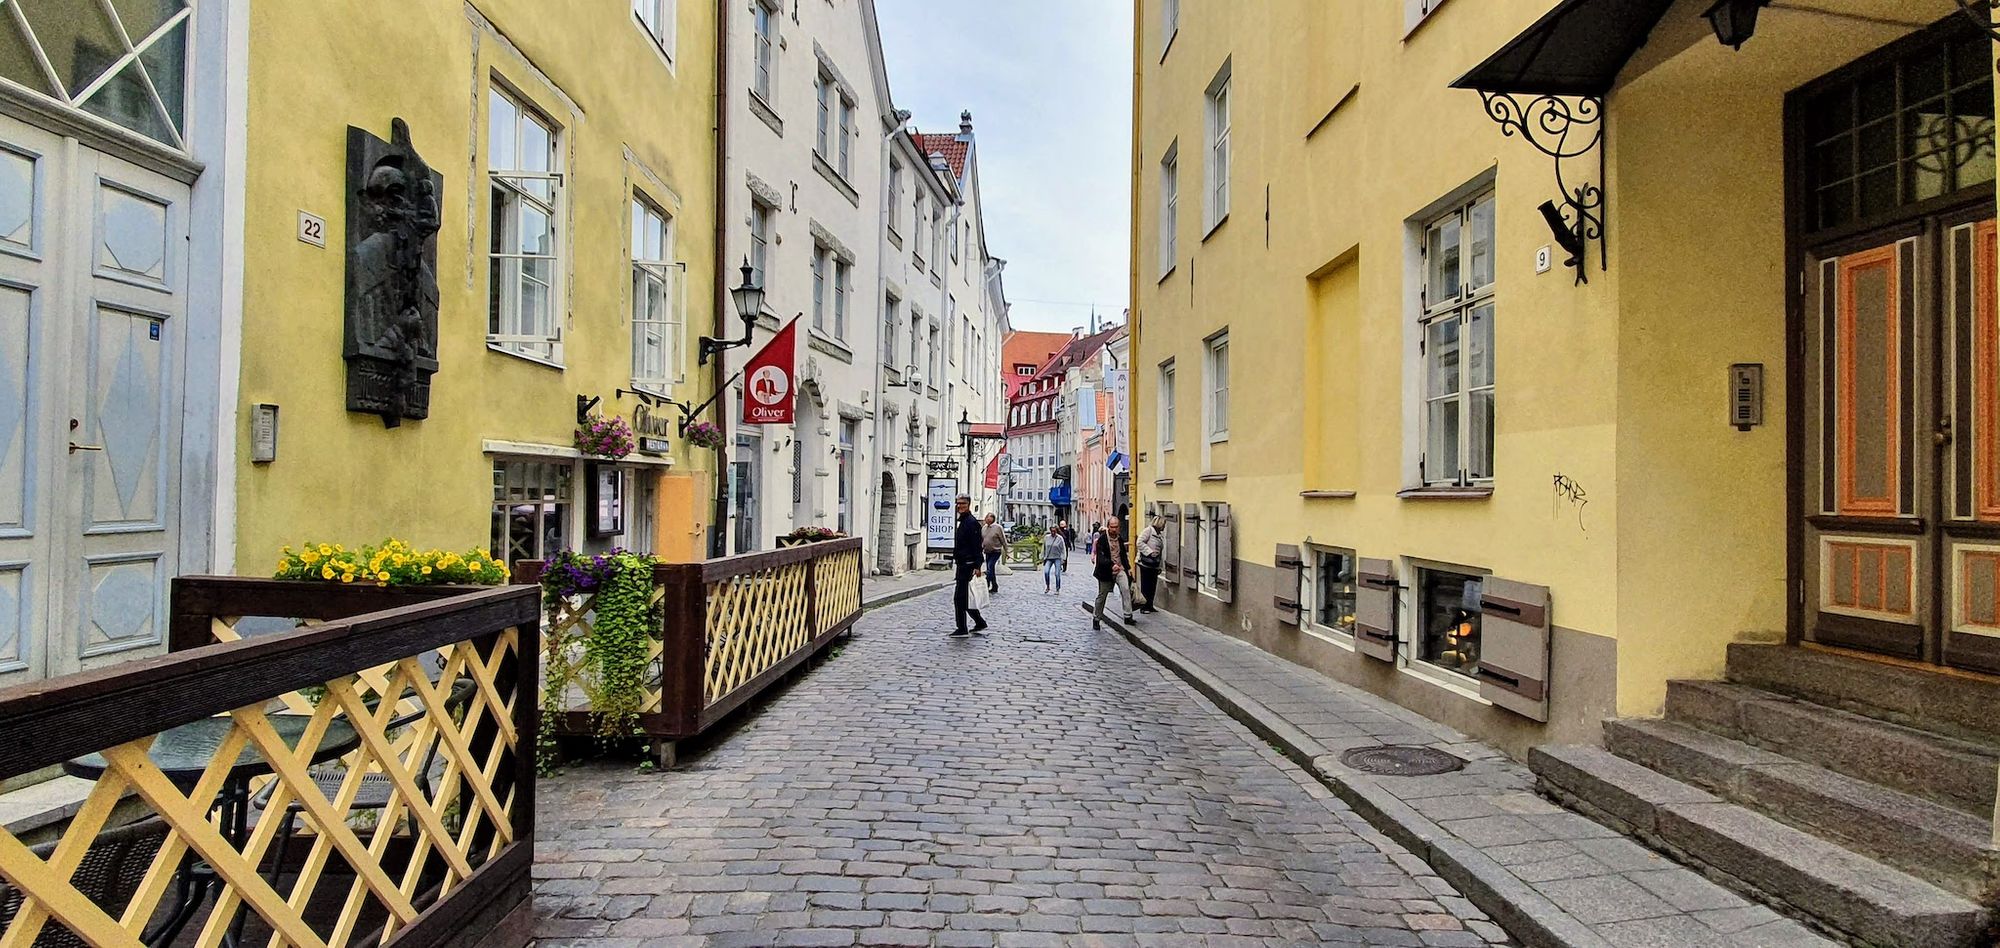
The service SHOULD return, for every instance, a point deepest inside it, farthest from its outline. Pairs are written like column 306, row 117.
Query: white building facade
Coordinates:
column 868, row 234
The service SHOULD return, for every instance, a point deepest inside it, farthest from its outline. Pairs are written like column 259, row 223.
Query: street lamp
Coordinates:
column 749, row 297
column 965, row 438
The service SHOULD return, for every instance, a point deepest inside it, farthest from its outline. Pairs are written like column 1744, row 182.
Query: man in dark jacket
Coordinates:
column 1113, row 570
column 967, row 556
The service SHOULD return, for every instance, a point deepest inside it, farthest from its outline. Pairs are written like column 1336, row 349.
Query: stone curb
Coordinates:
column 1527, row 915
column 891, row 598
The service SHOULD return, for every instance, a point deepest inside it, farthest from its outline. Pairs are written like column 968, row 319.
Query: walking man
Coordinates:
column 993, row 542
column 965, row 560
column 1107, row 552
column 1151, row 546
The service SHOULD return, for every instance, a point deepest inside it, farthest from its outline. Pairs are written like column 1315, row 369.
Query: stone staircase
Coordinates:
column 1853, row 794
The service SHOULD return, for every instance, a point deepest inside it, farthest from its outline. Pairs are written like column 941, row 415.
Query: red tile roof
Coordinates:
column 947, row 144
column 1030, row 349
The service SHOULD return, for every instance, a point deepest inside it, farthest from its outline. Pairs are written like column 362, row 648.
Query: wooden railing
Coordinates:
column 364, row 780
column 730, row 627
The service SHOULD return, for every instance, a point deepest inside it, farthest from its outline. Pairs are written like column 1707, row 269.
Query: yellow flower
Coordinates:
column 325, row 550
column 326, row 572
column 427, row 571
column 347, row 577
column 383, row 576
column 310, row 557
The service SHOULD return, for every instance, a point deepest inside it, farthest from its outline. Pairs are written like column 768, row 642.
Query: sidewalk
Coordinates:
column 1551, row 877
column 879, row 591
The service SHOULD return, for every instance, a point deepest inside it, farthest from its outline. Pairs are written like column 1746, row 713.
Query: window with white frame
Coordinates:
column 936, row 360
column 843, row 278
column 1215, row 407
column 1455, row 343
column 846, row 163
column 954, row 244
column 891, row 320
column 937, row 237
column 917, row 232
column 821, row 261
column 524, row 170
column 1327, row 597
column 1170, row 23
column 1170, row 206
column 895, row 195
column 656, row 299
column 1207, row 552
column 657, row 18
column 916, row 342
column 531, row 507
column 765, row 23
column 1167, row 405
column 1415, row 12
column 823, row 129
column 1217, row 197
column 761, row 215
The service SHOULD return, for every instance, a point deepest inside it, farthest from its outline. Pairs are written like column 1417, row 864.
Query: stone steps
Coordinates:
column 1947, row 770
column 1948, row 847
column 1951, row 703
column 1861, row 899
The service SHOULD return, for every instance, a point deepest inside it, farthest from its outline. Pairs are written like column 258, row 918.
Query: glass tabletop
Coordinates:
column 183, row 753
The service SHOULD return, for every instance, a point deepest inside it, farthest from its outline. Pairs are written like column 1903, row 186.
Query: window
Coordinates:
column 1456, row 345
column 821, row 261
column 1170, row 206
column 657, row 17
column 1330, row 592
column 890, row 322
column 1170, row 23
column 1207, row 552
column 936, row 359
column 1218, row 148
column 937, row 236
column 823, row 92
column 1415, row 12
column 1023, row 369
column 527, row 190
column 846, row 137
column 844, row 516
column 843, row 276
column 954, row 244
column 1448, row 614
column 765, row 22
column 917, row 235
column 760, row 238
column 125, row 64
column 1216, row 406
column 1167, row 405
column 895, row 195
column 656, row 299
column 916, row 342
column 531, row 503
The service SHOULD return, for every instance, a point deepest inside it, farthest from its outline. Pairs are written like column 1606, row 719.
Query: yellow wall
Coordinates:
column 631, row 124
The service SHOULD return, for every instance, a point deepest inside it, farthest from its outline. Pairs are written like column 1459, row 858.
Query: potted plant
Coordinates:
column 605, row 437
column 392, row 562
column 597, row 641
column 703, row 434
column 809, row 535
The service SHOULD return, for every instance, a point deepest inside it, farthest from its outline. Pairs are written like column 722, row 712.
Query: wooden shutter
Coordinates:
column 1170, row 545
column 1191, row 544
column 1375, row 609
column 1291, row 575
column 1225, row 554
column 1514, row 646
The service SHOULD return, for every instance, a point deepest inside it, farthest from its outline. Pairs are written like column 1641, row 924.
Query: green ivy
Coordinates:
column 611, row 670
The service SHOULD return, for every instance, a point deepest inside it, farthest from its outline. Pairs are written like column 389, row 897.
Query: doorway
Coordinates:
column 1898, row 484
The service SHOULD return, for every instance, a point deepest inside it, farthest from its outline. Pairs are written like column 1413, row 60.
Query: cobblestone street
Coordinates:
column 1044, row 784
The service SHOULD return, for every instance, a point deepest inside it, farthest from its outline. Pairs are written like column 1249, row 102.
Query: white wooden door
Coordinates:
column 93, row 255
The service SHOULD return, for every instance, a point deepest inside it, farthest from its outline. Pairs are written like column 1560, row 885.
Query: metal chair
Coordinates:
column 110, row 873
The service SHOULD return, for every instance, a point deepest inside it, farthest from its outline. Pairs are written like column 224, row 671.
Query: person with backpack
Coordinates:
column 1113, row 571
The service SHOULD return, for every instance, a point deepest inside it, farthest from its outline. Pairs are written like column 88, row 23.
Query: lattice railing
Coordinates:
column 345, row 783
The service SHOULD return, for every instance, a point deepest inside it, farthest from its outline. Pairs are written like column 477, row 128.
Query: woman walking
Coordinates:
column 1055, row 556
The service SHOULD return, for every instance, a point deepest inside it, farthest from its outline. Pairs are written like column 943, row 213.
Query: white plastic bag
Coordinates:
column 978, row 597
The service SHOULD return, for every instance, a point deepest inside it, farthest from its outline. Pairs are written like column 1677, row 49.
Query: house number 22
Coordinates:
column 312, row 229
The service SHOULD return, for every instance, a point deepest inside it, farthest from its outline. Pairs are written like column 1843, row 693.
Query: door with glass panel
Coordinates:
column 92, row 317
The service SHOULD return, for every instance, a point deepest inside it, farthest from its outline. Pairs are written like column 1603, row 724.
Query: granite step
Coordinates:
column 1948, row 770
column 1860, row 899
column 1945, row 846
column 1954, row 703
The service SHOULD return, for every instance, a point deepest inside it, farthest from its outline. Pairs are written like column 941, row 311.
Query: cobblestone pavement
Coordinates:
column 1041, row 785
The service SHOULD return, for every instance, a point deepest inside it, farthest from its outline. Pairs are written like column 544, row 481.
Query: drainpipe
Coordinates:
column 718, row 541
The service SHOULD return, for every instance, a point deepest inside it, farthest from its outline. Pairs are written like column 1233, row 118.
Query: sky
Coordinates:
column 1049, row 83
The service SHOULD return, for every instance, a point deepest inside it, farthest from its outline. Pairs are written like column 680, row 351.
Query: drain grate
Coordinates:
column 1401, row 761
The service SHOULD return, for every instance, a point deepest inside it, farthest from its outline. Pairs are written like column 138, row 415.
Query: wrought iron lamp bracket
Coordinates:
column 688, row 411
column 1982, row 12
column 1566, row 129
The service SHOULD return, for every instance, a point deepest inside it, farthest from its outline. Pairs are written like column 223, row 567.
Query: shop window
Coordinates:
column 1448, row 614
column 525, row 264
column 1329, row 596
column 531, row 509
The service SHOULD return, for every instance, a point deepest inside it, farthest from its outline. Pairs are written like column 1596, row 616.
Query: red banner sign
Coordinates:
column 993, row 473
column 770, row 380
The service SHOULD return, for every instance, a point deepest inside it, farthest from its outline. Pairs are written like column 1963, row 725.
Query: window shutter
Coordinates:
column 1170, row 545
column 1514, row 646
column 1225, row 554
column 1375, row 609
column 1191, row 544
column 1290, row 579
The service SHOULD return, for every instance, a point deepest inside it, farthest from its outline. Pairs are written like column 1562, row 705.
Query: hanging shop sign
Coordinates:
column 938, row 513
column 653, row 430
column 770, row 380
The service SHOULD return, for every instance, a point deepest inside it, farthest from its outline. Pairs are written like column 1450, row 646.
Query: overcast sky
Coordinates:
column 1050, row 88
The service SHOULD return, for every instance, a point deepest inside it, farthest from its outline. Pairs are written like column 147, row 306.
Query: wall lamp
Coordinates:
column 749, row 297
column 1734, row 21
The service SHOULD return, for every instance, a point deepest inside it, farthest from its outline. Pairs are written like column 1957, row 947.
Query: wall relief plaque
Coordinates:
column 391, row 330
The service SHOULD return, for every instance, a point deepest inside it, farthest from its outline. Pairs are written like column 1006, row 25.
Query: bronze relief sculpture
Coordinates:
column 391, row 330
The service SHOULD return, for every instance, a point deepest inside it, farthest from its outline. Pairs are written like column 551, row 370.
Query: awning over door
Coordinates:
column 1576, row 49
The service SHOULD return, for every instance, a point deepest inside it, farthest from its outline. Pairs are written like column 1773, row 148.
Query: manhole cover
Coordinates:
column 1395, row 761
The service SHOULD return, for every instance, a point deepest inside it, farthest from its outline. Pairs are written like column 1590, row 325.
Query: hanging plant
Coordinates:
column 610, row 665
column 702, row 434
column 605, row 437
column 812, row 535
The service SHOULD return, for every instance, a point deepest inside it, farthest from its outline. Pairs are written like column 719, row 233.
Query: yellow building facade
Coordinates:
column 575, row 266
column 1394, row 437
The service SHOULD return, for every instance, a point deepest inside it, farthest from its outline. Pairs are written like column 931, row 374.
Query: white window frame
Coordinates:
column 546, row 484
column 510, row 328
column 764, row 32
column 762, row 216
column 1215, row 200
column 659, row 300
column 843, row 279
column 1206, row 556
column 823, row 129
column 1170, row 207
column 822, row 259
column 1309, row 601
column 1410, row 616
column 658, row 19
column 846, row 163
column 1167, row 405
column 1456, row 300
column 895, row 195
column 892, row 319
column 917, row 231
column 937, row 237
column 1215, row 387
column 1170, row 24
column 1415, row 12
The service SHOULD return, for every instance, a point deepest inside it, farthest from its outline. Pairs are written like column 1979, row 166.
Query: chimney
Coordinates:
column 965, row 122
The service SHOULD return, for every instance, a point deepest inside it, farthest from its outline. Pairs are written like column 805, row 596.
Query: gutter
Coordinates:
column 718, row 541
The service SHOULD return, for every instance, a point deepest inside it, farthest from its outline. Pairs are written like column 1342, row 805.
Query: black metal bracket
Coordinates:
column 584, row 407
column 1565, row 129
column 1982, row 13
column 688, row 412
